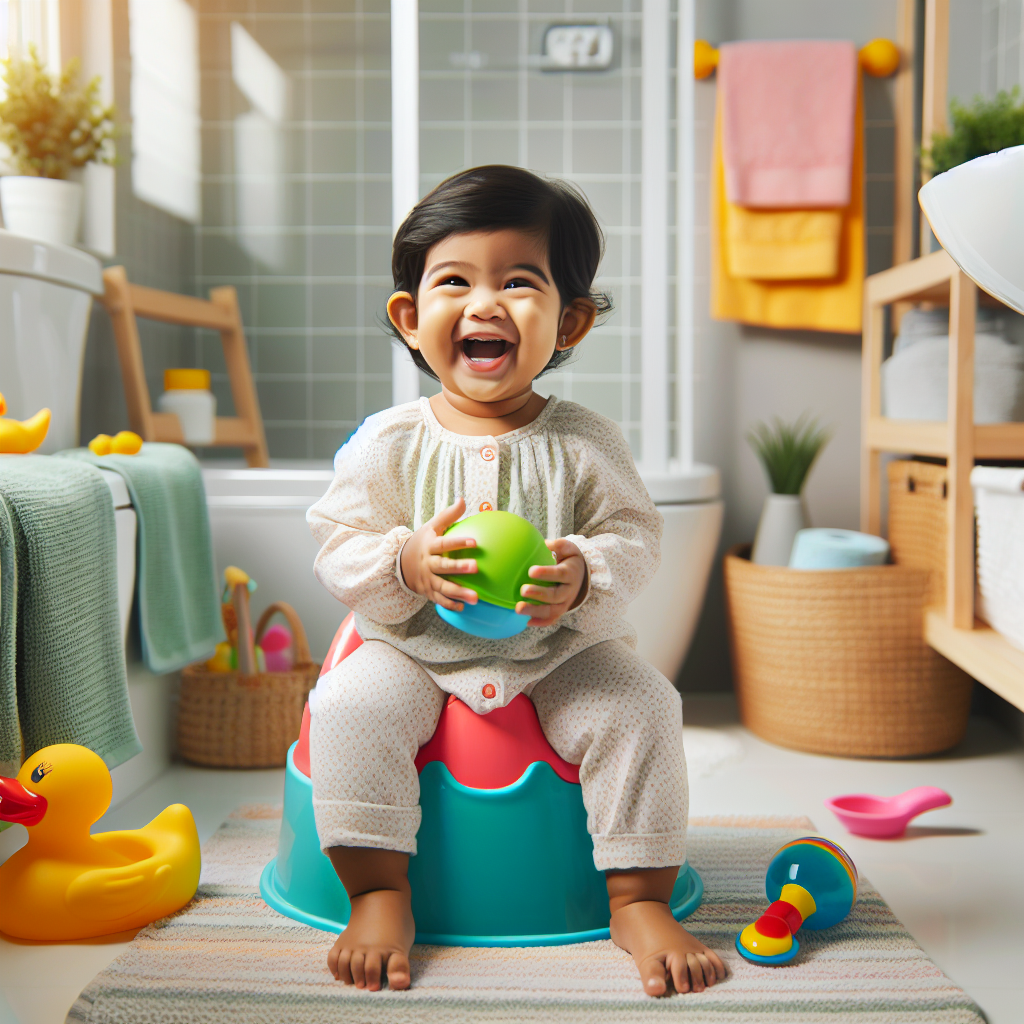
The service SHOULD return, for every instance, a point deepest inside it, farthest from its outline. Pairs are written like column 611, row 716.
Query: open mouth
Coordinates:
column 485, row 353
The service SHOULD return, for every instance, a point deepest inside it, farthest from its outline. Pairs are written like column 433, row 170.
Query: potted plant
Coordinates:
column 986, row 126
column 787, row 451
column 52, row 125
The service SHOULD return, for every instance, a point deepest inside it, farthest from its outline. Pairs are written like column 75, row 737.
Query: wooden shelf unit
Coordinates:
column 125, row 302
column 953, row 630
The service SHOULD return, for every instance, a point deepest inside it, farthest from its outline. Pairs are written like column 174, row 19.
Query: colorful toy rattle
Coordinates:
column 812, row 883
column 506, row 547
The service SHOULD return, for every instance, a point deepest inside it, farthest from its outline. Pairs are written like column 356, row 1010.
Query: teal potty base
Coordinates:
column 495, row 867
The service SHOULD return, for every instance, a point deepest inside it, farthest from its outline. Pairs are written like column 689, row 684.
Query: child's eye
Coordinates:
column 458, row 282
column 519, row 282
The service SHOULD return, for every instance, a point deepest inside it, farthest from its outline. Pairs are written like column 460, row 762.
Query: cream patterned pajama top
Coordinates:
column 569, row 472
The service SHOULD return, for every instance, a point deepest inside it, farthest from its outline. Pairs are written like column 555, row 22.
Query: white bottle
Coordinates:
column 187, row 394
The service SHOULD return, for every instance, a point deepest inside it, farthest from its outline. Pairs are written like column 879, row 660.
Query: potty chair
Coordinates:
column 504, row 857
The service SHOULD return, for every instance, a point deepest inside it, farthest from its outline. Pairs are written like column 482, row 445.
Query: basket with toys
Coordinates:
column 243, row 707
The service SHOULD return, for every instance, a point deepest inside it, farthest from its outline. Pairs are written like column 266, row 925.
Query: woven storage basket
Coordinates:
column 834, row 661
column 917, row 521
column 231, row 720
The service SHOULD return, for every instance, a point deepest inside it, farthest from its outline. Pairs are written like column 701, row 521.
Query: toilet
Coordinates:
column 46, row 293
column 258, row 522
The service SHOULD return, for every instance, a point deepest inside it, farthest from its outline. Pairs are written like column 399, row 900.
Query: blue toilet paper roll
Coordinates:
column 837, row 549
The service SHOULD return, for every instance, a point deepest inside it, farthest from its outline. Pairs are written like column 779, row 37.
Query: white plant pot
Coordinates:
column 46, row 209
column 782, row 518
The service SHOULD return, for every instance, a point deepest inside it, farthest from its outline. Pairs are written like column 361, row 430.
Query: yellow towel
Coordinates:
column 782, row 245
column 812, row 304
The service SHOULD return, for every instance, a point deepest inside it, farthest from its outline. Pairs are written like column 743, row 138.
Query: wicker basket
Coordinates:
column 918, row 523
column 834, row 661
column 232, row 720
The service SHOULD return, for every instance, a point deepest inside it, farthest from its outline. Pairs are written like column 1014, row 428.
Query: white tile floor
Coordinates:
column 956, row 879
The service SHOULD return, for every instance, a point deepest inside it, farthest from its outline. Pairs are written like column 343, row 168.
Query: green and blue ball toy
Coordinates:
column 506, row 547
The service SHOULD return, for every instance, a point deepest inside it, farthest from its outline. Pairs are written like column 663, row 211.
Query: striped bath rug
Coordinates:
column 227, row 958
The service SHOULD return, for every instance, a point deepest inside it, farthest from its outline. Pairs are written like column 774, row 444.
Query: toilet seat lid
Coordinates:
column 59, row 264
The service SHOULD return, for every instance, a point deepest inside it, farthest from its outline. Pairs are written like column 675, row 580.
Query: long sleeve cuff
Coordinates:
column 598, row 574
column 398, row 568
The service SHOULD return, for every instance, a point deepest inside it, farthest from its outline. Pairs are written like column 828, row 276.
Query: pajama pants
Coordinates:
column 605, row 709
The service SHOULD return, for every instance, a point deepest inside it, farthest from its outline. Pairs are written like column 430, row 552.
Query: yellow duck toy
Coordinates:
column 66, row 884
column 19, row 437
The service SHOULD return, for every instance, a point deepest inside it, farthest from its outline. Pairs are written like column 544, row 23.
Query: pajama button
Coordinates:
column 488, row 454
column 489, row 691
column 486, row 506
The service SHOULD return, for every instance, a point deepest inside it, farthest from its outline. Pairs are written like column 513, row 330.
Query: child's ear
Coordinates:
column 402, row 313
column 577, row 319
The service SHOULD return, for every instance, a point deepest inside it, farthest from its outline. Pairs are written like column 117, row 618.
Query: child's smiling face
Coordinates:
column 488, row 315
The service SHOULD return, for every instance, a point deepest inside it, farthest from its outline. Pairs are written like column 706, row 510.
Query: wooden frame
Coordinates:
column 904, row 195
column 952, row 631
column 125, row 301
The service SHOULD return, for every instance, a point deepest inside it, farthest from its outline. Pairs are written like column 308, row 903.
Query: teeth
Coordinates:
column 492, row 349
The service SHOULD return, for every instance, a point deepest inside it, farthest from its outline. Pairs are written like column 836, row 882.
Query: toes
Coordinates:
column 356, row 966
column 707, row 969
column 399, row 974
column 696, row 972
column 343, row 972
column 372, row 970
column 716, row 962
column 652, row 974
column 680, row 975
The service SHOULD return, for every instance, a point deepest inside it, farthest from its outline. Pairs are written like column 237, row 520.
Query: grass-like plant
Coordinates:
column 986, row 126
column 788, row 450
column 53, row 124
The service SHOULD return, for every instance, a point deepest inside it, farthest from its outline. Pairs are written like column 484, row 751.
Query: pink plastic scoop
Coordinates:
column 885, row 817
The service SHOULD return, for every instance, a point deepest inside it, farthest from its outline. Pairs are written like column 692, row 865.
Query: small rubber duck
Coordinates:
column 124, row 442
column 19, row 437
column 66, row 884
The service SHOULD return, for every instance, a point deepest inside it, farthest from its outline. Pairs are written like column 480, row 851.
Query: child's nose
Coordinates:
column 484, row 306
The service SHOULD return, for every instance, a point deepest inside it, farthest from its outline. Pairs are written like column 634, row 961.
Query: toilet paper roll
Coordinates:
column 837, row 549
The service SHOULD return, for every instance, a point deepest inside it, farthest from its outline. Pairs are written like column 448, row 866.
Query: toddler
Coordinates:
column 493, row 274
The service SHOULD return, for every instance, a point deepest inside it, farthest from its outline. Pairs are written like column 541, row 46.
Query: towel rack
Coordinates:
column 879, row 58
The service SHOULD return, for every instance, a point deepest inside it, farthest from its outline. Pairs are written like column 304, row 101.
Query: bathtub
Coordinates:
column 257, row 519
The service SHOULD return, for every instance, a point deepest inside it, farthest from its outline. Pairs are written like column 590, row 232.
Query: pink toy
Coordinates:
column 885, row 817
column 276, row 645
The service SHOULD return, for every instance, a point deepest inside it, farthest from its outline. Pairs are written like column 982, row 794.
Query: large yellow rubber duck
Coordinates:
column 19, row 437
column 66, row 884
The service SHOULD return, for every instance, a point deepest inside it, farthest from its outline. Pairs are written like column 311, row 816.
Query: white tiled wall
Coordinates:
column 482, row 100
column 1002, row 62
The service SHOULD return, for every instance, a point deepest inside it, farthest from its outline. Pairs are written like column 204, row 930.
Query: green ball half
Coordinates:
column 506, row 547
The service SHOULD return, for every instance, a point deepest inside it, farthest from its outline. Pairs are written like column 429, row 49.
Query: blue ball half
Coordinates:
column 485, row 620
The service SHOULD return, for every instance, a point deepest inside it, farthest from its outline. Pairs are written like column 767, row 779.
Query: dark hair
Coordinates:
column 492, row 198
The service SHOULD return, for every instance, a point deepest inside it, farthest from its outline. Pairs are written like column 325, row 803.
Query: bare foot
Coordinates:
column 664, row 950
column 376, row 942
column 380, row 932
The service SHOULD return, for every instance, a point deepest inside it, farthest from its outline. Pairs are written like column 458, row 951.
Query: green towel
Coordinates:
column 62, row 671
column 176, row 590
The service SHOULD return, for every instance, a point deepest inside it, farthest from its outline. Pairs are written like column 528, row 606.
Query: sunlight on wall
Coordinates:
column 165, row 105
column 31, row 22
column 261, row 151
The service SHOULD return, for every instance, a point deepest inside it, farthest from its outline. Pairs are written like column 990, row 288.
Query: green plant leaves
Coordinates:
column 986, row 126
column 788, row 450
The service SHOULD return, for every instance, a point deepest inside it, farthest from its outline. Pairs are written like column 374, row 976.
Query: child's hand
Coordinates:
column 570, row 575
column 423, row 559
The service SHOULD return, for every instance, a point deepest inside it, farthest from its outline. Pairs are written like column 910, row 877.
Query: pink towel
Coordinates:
column 788, row 114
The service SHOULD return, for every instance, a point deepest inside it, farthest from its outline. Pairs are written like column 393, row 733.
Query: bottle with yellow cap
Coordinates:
column 187, row 394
